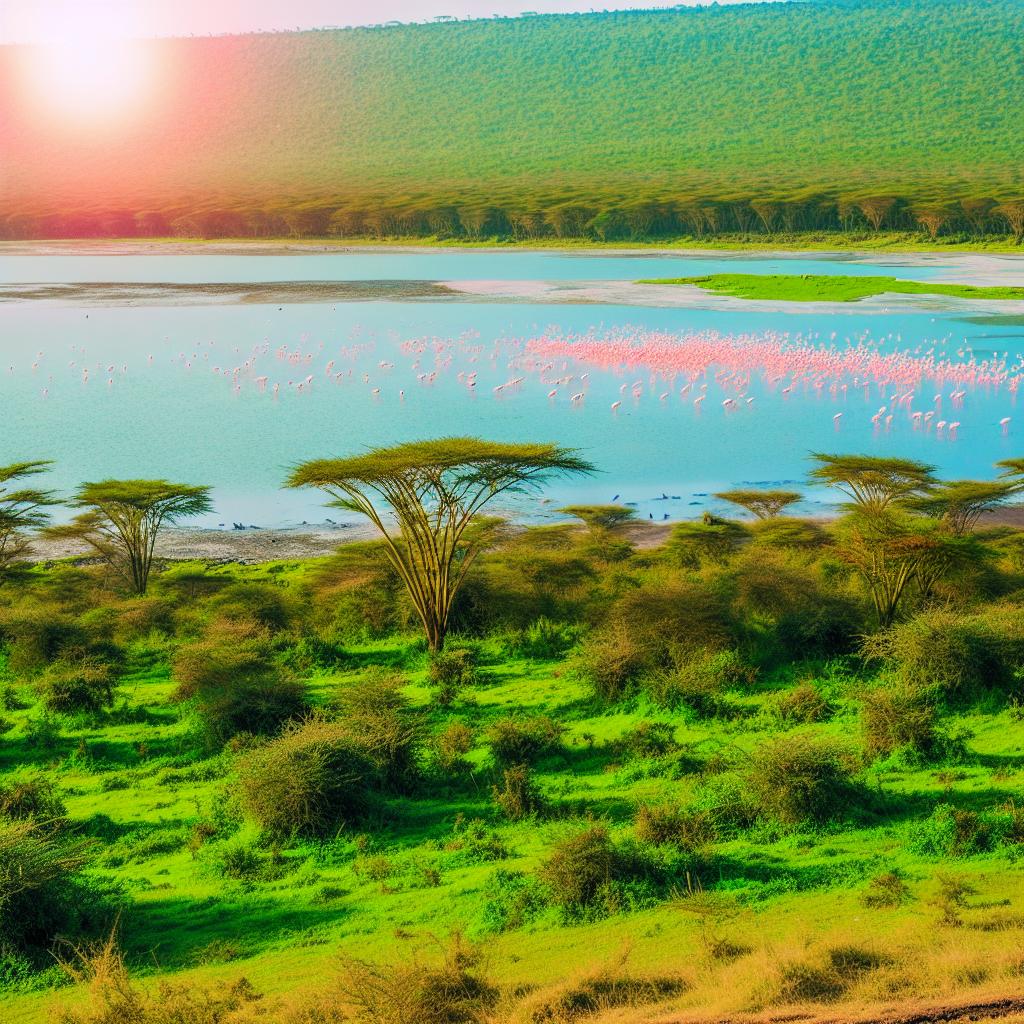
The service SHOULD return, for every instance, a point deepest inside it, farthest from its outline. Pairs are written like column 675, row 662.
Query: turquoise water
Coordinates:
column 173, row 416
column 419, row 266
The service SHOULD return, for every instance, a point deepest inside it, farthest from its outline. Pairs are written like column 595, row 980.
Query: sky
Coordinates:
column 42, row 21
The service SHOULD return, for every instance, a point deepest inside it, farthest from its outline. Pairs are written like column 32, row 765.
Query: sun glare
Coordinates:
column 91, row 80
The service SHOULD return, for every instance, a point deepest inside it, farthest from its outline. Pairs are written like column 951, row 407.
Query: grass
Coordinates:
column 285, row 918
column 832, row 288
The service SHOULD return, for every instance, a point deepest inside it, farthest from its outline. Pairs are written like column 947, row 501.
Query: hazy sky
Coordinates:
column 59, row 20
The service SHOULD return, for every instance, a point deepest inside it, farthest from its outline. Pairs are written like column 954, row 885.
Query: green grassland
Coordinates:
column 744, row 120
column 832, row 288
column 205, row 895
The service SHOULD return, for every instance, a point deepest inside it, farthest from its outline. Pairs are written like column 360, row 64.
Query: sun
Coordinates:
column 90, row 80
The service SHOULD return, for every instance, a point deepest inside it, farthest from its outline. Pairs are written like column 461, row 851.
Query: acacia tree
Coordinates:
column 434, row 492
column 123, row 518
column 762, row 504
column 872, row 483
column 888, row 552
column 959, row 504
column 21, row 509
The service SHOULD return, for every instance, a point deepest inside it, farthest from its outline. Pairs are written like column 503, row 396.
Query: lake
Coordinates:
column 152, row 390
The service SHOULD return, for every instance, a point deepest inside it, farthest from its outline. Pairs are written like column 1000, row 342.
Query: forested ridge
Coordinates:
column 881, row 115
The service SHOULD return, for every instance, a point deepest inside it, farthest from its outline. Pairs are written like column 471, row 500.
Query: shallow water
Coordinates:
column 173, row 416
column 462, row 265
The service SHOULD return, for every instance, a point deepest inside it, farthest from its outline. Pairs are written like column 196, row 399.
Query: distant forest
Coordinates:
column 756, row 120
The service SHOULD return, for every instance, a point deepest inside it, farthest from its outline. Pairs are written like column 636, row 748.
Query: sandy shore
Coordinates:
column 245, row 546
column 251, row 547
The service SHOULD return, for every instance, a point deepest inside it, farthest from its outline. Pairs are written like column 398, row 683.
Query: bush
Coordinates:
column 265, row 604
column 956, row 832
column 805, row 704
column 613, row 661
column 518, row 740
column 450, row 746
column 235, row 682
column 511, row 899
column 455, row 992
column 899, row 717
column 579, row 867
column 651, row 629
column 646, row 740
column 113, row 999
column 608, row 988
column 666, row 825
column 798, row 777
column 381, row 725
column 42, row 894
column 313, row 780
column 517, row 797
column 33, row 797
column 940, row 649
column 886, row 890
column 475, row 843
column 37, row 635
column 700, row 682
column 80, row 685
column 453, row 669
column 542, row 640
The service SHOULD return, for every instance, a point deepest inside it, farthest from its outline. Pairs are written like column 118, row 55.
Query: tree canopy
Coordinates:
column 21, row 508
column 123, row 518
column 762, row 504
column 435, row 491
column 872, row 482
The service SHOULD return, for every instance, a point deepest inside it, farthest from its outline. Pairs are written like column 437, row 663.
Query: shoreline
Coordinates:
column 730, row 247
column 293, row 543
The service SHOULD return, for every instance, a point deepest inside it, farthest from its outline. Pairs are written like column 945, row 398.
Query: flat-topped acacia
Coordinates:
column 435, row 491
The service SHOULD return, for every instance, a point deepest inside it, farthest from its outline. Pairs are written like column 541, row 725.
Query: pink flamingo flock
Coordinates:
column 692, row 367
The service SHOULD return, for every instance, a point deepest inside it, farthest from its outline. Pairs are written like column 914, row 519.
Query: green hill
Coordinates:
column 761, row 117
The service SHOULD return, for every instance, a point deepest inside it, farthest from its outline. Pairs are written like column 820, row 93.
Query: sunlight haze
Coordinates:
column 42, row 21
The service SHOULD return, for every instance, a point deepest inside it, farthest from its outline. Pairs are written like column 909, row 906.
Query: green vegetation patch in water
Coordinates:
column 831, row 287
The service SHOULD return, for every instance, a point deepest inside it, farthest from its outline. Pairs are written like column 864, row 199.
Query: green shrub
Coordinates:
column 451, row 671
column 899, row 717
column 700, row 682
column 70, row 685
column 542, row 640
column 265, row 604
column 42, row 895
column 475, row 843
column 382, row 726
column 646, row 740
column 235, row 682
column 798, row 777
column 33, row 797
column 579, row 867
column 450, row 746
column 942, row 650
column 886, row 890
column 956, row 832
column 312, row 780
column 517, row 797
column 511, row 899
column 613, row 661
column 518, row 739
column 667, row 825
column 805, row 704
column 38, row 635
column 651, row 629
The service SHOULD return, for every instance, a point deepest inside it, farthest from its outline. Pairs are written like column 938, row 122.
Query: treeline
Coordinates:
column 599, row 220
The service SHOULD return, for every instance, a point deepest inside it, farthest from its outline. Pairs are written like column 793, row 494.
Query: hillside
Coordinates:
column 760, row 117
